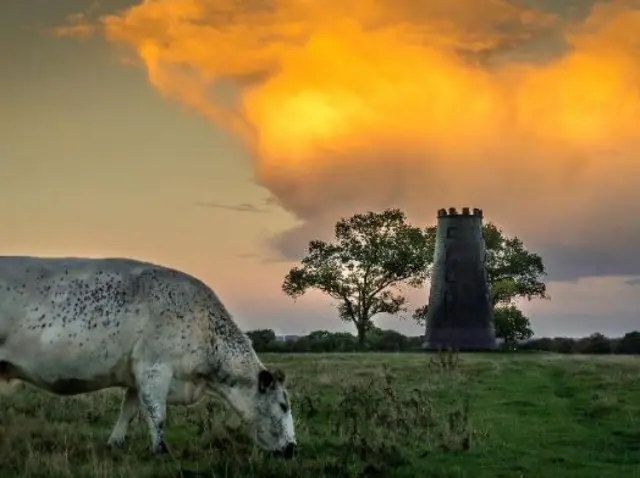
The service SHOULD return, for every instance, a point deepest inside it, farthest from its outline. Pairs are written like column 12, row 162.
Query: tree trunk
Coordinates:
column 361, row 335
column 362, row 324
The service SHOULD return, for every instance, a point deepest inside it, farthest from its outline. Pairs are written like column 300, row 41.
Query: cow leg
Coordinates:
column 153, row 388
column 128, row 410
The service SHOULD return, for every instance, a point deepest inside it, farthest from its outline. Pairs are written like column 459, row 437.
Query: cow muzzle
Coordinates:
column 287, row 452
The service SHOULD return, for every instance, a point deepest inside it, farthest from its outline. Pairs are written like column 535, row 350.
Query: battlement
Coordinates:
column 452, row 212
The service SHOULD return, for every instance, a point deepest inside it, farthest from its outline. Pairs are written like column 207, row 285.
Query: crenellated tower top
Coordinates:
column 453, row 212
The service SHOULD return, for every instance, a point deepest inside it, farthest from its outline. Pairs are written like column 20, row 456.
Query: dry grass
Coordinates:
column 368, row 415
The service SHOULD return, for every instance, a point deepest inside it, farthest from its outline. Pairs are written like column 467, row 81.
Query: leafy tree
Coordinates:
column 563, row 345
column 594, row 344
column 343, row 342
column 324, row 341
column 303, row 344
column 262, row 338
column 511, row 325
column 373, row 256
column 513, row 272
column 629, row 344
column 319, row 340
column 542, row 344
column 386, row 340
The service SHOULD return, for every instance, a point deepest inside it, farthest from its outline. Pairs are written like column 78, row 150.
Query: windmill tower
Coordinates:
column 459, row 314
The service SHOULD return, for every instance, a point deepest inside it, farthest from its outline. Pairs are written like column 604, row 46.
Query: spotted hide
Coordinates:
column 78, row 325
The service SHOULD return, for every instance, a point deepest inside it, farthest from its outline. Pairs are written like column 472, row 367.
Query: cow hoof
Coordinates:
column 116, row 444
column 161, row 449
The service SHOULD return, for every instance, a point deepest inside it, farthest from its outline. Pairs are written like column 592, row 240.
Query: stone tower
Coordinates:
column 459, row 314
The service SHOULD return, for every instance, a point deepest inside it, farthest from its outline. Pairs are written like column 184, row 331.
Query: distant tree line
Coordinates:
column 265, row 340
column 593, row 344
column 379, row 340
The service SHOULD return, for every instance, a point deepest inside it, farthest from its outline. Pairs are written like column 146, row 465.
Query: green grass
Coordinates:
column 368, row 415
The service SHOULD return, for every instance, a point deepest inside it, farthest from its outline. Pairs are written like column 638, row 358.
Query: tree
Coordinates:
column 511, row 325
column 563, row 345
column 594, row 344
column 373, row 256
column 262, row 338
column 513, row 272
column 386, row 340
column 629, row 344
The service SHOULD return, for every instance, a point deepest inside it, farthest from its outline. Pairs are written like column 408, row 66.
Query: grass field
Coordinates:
column 368, row 415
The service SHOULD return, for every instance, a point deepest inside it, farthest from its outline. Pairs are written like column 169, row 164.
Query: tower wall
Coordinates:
column 459, row 314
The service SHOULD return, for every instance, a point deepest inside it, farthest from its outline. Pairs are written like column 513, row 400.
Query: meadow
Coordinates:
column 364, row 415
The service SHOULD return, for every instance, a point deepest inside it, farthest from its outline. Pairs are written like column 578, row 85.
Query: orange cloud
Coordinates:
column 417, row 103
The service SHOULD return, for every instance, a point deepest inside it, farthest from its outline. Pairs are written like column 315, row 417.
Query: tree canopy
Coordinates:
column 373, row 255
column 511, row 325
column 513, row 271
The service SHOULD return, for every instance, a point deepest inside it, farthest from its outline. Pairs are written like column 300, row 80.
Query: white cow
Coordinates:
column 75, row 325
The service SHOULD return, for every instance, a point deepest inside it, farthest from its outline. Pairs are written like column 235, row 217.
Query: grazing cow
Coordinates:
column 76, row 325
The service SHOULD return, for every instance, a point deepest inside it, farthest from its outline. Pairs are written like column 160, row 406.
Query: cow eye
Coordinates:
column 284, row 407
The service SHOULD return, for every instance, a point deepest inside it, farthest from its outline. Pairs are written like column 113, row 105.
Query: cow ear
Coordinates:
column 265, row 380
column 279, row 375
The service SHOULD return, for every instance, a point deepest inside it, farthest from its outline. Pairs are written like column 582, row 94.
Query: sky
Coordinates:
column 220, row 137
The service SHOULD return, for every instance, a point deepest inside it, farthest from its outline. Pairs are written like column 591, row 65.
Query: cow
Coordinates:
column 74, row 325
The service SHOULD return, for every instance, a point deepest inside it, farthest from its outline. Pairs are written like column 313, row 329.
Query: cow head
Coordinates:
column 272, row 419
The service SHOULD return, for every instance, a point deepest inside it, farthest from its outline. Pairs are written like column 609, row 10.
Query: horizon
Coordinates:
column 534, row 337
